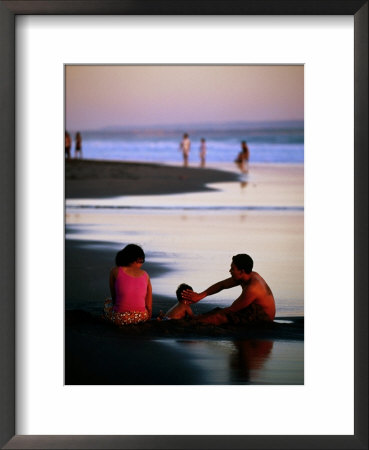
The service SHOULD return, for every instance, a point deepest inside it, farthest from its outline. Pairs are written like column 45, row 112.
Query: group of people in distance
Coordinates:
column 242, row 159
column 68, row 145
column 131, row 294
column 185, row 147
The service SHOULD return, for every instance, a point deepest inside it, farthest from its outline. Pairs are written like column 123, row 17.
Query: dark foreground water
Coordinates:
column 176, row 353
column 249, row 361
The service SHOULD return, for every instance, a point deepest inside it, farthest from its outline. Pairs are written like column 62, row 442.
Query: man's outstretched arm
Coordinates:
column 194, row 297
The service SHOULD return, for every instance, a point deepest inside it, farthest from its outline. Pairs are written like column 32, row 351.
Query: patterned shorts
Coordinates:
column 251, row 314
column 123, row 318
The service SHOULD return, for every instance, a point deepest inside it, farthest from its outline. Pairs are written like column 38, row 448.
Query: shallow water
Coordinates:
column 198, row 247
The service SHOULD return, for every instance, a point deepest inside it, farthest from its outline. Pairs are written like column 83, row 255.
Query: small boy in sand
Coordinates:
column 179, row 310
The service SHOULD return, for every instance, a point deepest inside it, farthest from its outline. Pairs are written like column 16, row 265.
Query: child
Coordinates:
column 179, row 310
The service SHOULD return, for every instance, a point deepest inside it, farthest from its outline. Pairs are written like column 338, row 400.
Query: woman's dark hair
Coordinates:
column 243, row 262
column 129, row 254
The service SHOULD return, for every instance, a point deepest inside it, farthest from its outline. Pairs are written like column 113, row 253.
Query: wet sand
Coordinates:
column 101, row 179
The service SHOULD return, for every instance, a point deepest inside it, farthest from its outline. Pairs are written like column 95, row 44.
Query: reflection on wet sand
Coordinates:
column 229, row 362
column 251, row 355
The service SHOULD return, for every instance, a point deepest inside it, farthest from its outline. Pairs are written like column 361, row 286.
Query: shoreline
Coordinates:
column 99, row 179
column 282, row 328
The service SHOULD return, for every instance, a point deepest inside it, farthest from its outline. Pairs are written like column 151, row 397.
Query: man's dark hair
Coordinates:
column 243, row 262
column 129, row 254
column 182, row 287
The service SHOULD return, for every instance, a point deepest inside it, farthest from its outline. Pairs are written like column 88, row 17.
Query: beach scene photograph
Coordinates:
column 184, row 225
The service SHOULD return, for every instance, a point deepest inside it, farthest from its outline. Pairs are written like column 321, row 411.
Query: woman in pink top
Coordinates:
column 130, row 288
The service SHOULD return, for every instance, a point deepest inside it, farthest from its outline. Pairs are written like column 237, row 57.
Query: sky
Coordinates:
column 132, row 95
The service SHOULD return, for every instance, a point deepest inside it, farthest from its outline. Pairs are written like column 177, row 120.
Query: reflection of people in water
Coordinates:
column 243, row 157
column 244, row 180
column 185, row 147
column 243, row 358
column 255, row 304
column 251, row 355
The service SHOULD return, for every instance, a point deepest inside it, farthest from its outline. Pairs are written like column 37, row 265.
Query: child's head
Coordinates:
column 182, row 287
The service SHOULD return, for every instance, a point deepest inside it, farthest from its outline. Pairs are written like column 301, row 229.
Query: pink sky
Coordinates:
column 101, row 96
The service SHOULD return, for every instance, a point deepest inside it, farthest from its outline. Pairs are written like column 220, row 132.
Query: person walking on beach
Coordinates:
column 130, row 288
column 68, row 144
column 202, row 152
column 78, row 149
column 255, row 304
column 243, row 157
column 185, row 147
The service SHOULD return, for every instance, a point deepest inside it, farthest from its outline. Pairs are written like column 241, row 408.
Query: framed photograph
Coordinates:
column 53, row 48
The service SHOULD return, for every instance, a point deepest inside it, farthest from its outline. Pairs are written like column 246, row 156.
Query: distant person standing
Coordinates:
column 202, row 152
column 243, row 157
column 68, row 144
column 78, row 149
column 185, row 147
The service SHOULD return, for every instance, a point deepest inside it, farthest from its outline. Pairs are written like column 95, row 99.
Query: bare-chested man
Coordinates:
column 256, row 302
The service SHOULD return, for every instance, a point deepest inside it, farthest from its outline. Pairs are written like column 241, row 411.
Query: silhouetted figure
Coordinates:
column 68, row 145
column 243, row 157
column 185, row 147
column 78, row 148
column 202, row 152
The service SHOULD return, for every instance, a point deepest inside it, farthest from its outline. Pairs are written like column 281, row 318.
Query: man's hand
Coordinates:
column 189, row 297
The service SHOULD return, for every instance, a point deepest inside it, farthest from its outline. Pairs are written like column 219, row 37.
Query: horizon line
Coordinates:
column 189, row 125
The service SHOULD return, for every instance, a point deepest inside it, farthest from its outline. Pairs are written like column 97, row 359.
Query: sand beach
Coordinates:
column 98, row 179
column 190, row 221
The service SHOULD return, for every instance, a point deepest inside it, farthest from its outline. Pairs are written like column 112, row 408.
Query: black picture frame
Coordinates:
column 8, row 11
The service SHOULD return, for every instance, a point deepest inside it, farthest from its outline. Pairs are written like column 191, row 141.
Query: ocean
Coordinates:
column 273, row 142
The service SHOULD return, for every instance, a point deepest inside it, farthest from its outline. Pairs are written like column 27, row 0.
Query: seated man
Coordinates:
column 255, row 304
column 181, row 309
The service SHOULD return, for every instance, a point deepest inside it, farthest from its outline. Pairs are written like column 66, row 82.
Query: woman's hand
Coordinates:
column 189, row 296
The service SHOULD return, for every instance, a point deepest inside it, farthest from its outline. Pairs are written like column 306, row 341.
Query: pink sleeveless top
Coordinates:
column 130, row 292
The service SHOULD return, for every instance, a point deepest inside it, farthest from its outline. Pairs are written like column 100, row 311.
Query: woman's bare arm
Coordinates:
column 148, row 300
